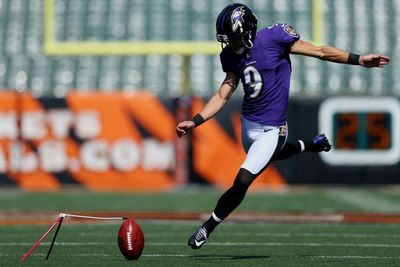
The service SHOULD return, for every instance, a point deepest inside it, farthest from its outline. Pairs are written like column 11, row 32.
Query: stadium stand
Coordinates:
column 24, row 65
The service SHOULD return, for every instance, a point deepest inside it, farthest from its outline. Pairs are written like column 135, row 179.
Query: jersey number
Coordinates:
column 253, row 79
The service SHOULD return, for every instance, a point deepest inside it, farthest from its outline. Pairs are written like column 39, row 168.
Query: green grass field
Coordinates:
column 234, row 243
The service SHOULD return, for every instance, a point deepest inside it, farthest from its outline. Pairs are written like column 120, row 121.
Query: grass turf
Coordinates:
column 298, row 200
column 233, row 244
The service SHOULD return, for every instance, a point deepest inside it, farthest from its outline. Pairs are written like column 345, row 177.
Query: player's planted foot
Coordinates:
column 318, row 144
column 198, row 239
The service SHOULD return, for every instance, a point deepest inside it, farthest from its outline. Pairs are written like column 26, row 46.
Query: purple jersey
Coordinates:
column 265, row 71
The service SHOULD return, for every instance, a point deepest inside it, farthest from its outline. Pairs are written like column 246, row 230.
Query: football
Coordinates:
column 130, row 239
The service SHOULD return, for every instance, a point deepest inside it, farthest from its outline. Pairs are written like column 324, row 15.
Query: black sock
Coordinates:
column 310, row 146
column 211, row 223
column 290, row 149
column 230, row 200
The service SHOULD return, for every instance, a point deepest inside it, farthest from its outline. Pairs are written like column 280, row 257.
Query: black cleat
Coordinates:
column 198, row 239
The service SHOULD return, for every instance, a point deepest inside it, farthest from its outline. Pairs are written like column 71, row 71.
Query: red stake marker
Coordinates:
column 59, row 220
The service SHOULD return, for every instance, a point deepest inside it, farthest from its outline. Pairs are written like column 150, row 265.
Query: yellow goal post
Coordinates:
column 54, row 47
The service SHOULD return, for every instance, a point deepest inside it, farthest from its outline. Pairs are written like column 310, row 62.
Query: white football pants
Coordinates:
column 260, row 143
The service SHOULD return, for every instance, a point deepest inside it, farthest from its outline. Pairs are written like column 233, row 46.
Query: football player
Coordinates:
column 260, row 60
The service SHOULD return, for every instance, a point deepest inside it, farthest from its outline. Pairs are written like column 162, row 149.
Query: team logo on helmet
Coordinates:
column 237, row 18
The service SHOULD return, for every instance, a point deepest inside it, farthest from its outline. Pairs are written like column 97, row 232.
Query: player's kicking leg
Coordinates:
column 229, row 201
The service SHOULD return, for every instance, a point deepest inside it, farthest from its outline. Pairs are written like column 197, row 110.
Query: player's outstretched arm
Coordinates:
column 334, row 54
column 212, row 107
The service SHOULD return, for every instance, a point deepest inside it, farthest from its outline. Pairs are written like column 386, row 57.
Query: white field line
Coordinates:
column 352, row 257
column 281, row 235
column 364, row 200
column 228, row 223
column 268, row 235
column 244, row 234
column 327, row 244
column 5, row 244
column 78, row 255
column 240, row 234
column 307, row 244
column 188, row 255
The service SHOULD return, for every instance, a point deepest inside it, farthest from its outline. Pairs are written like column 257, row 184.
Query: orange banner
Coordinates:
column 109, row 141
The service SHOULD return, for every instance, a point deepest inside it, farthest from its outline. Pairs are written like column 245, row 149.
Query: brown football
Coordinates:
column 130, row 239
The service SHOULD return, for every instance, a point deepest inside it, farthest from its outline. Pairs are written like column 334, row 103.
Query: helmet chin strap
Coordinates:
column 249, row 43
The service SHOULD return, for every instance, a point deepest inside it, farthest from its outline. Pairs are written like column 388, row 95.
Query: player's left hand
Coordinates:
column 374, row 61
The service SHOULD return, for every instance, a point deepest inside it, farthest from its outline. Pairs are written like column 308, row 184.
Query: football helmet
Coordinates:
column 236, row 26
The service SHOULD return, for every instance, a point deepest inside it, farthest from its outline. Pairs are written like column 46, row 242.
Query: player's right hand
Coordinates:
column 374, row 61
column 184, row 127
